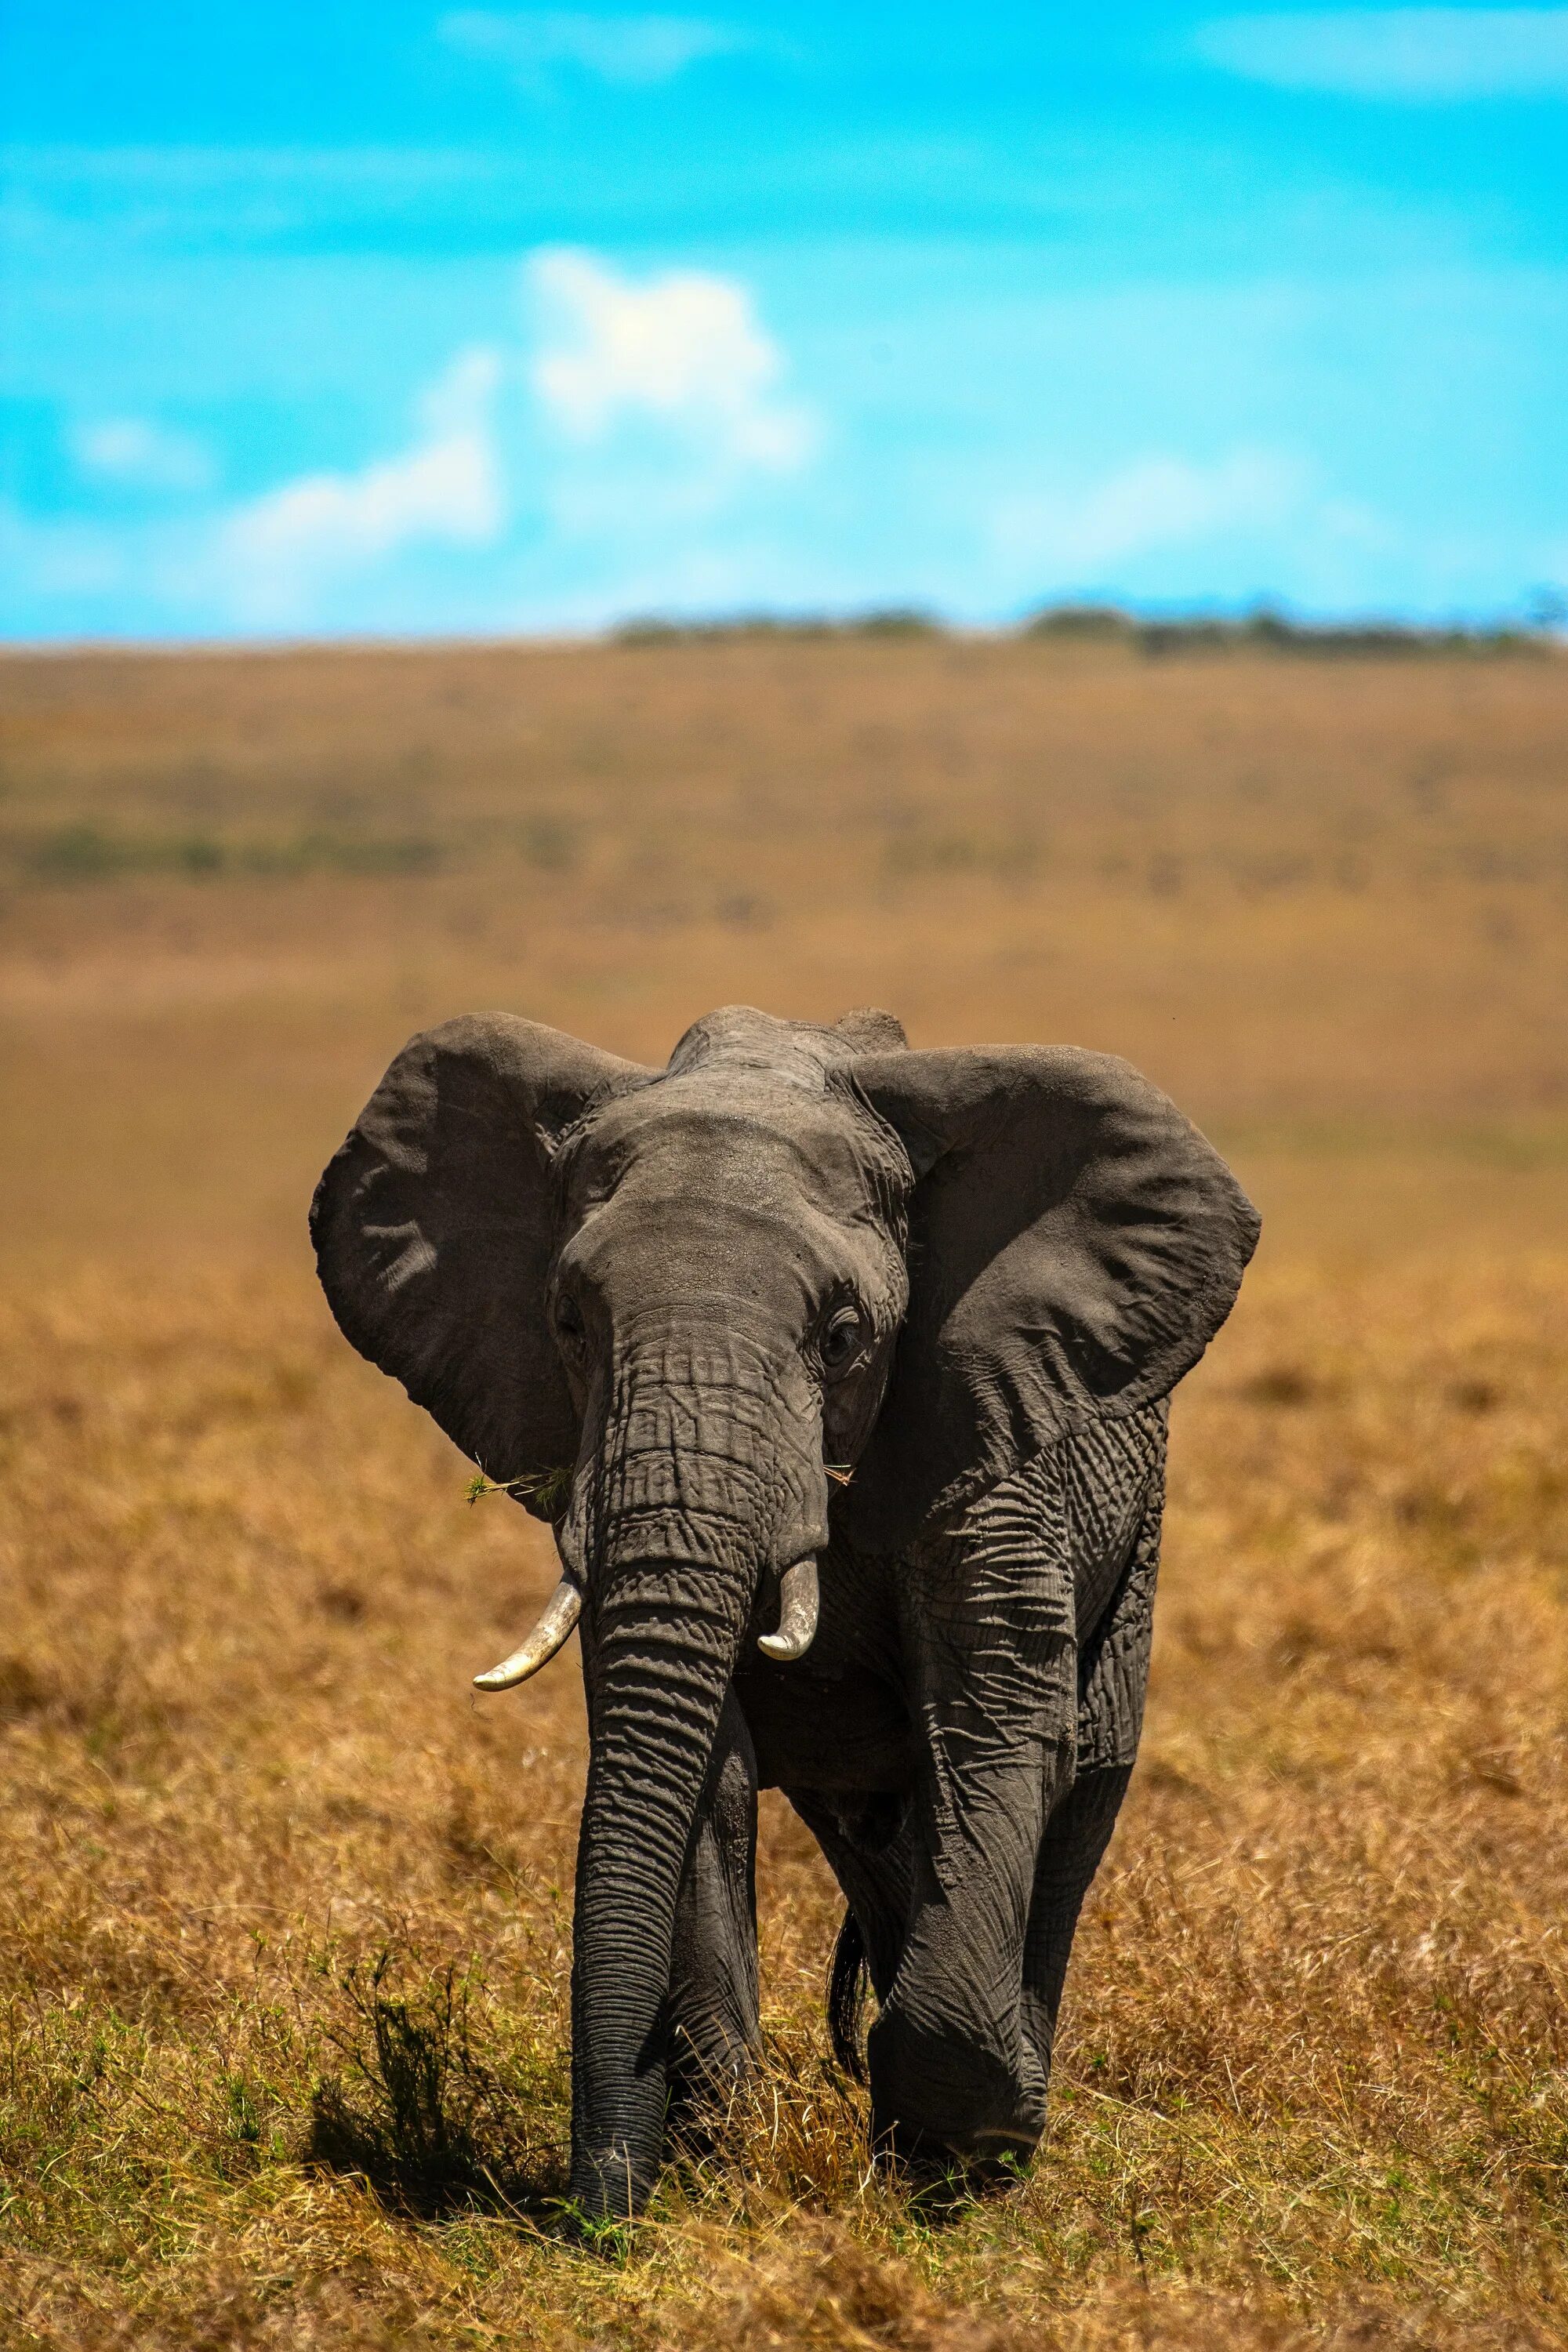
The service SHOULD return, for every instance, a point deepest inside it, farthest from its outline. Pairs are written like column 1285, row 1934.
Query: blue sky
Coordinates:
column 349, row 319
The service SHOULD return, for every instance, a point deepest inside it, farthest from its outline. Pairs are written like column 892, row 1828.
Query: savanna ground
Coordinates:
column 284, row 1918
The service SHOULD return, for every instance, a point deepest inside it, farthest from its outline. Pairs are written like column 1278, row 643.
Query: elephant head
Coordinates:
column 664, row 1305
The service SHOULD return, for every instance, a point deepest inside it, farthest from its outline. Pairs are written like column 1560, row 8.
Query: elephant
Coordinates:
column 841, row 1369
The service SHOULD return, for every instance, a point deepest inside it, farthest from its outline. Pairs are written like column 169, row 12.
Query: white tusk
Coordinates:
column 798, row 1600
column 560, row 1613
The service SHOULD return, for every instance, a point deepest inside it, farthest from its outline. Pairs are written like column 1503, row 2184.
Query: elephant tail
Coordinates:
column 846, row 1997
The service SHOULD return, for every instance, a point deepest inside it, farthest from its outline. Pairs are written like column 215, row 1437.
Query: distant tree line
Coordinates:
column 1264, row 629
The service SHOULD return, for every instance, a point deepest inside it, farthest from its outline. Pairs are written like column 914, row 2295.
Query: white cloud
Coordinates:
column 130, row 450
column 1155, row 502
column 1413, row 55
column 685, row 348
column 658, row 443
column 639, row 50
column 274, row 552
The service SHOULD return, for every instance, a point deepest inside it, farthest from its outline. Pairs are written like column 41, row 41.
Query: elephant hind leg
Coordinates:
column 713, row 2027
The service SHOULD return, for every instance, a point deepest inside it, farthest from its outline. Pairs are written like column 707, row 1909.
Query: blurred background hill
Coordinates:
column 1320, row 900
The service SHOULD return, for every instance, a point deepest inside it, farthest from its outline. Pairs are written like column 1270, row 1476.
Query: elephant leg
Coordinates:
column 955, row 2077
column 988, row 1628
column 1073, row 1848
column 714, row 2032
column 868, row 1847
column 1113, row 1673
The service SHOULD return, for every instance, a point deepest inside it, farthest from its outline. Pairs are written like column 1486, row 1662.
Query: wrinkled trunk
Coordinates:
column 678, row 1512
column 664, row 1664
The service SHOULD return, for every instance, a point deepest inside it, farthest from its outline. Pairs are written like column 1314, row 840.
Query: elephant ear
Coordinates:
column 1073, row 1245
column 432, row 1227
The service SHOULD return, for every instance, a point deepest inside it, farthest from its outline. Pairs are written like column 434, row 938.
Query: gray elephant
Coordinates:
column 841, row 1369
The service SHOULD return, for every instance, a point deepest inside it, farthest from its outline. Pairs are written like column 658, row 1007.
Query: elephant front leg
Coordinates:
column 1113, row 1672
column 955, row 2073
column 1074, row 1848
column 953, row 2066
column 988, row 1632
column 714, row 2032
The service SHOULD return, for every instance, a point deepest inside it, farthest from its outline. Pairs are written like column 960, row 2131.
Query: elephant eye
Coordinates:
column 569, row 1319
column 840, row 1342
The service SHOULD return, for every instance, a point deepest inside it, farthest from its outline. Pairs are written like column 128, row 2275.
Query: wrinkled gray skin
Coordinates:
column 973, row 1277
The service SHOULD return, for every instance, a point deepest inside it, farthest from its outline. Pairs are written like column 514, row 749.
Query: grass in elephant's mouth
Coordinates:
column 546, row 1492
column 285, row 1920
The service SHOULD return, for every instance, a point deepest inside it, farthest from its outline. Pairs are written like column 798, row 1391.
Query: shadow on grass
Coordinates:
column 432, row 2124
column 443, row 2108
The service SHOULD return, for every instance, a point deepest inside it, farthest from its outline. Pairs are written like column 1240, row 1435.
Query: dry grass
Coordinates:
column 283, row 1936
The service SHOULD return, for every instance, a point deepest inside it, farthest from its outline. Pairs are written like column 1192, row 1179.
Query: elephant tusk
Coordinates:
column 560, row 1613
column 798, row 1598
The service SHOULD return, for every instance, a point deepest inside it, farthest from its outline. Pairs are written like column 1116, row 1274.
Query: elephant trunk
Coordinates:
column 691, row 1491
column 665, row 1652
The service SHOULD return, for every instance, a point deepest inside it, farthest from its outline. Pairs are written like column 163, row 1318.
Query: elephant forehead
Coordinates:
column 747, row 1140
column 677, row 1251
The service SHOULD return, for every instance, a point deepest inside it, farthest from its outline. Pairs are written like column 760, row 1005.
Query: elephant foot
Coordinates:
column 948, row 2110
column 942, row 2178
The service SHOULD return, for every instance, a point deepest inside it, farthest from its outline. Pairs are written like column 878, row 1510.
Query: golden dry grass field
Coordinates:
column 285, row 1911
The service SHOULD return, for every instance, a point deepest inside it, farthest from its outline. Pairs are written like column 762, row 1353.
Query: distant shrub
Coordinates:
column 1011, row 857
column 889, row 621
column 77, row 853
column 368, row 854
column 648, row 630
column 548, row 842
column 86, row 853
column 895, row 621
column 1099, row 622
column 198, row 853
